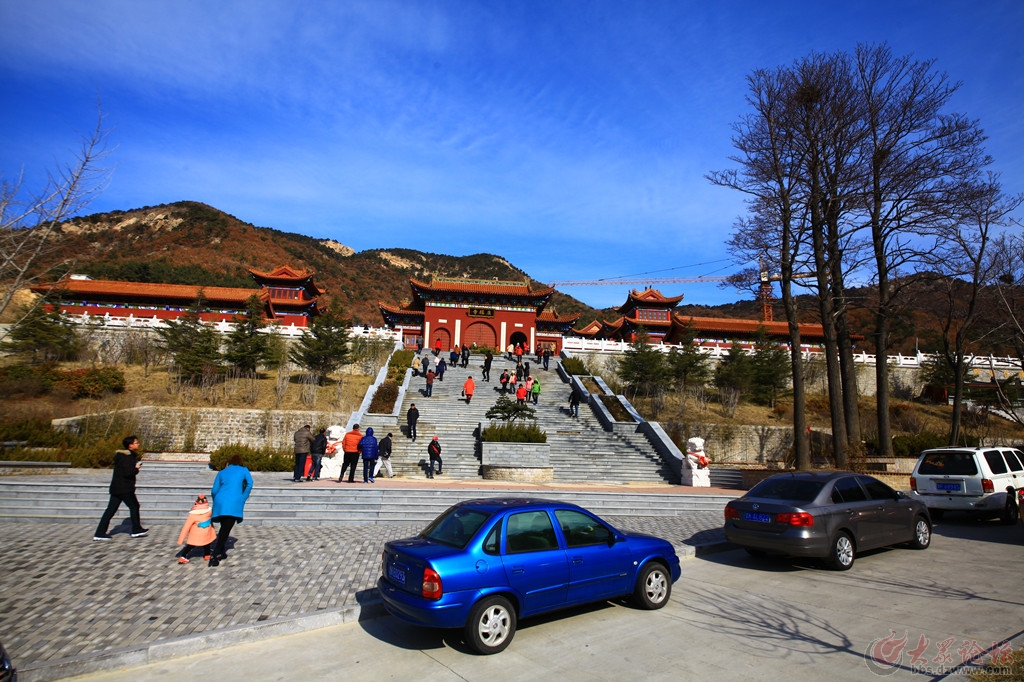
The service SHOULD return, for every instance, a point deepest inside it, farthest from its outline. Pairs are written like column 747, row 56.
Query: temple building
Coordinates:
column 490, row 313
column 289, row 297
column 654, row 312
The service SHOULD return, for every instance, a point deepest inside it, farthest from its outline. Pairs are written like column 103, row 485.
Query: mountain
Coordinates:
column 191, row 243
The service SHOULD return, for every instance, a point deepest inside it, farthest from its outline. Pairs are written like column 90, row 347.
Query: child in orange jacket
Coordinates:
column 198, row 530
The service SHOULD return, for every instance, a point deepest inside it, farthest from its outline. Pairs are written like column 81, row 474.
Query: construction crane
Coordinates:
column 766, row 295
column 650, row 280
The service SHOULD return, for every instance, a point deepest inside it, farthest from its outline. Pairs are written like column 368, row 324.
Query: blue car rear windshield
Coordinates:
column 455, row 527
column 786, row 489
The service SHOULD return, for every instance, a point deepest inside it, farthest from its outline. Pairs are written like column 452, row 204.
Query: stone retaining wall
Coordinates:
column 204, row 429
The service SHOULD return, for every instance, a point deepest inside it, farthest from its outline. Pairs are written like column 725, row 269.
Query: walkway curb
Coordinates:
column 130, row 657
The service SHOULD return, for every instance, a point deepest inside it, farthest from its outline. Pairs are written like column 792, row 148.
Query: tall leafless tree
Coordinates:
column 28, row 219
column 916, row 156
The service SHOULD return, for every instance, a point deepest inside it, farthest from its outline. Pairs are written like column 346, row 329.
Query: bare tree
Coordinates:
column 914, row 155
column 27, row 223
column 966, row 257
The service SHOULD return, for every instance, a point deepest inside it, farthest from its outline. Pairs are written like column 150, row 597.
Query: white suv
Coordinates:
column 980, row 480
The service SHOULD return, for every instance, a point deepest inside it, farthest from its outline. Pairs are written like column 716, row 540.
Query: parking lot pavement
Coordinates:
column 731, row 616
column 69, row 604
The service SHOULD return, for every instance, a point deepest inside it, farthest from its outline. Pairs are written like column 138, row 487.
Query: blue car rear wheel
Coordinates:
column 491, row 625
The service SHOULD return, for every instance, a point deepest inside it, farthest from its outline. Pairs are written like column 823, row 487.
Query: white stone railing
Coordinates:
column 718, row 348
column 108, row 321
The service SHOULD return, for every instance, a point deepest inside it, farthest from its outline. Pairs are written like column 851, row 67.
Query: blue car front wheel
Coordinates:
column 653, row 587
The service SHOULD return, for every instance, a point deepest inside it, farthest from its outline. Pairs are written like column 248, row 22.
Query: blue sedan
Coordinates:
column 484, row 564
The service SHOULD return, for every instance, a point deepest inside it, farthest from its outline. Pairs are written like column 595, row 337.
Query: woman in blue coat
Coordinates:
column 230, row 490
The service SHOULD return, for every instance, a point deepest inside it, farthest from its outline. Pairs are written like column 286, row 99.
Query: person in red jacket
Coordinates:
column 468, row 388
column 521, row 394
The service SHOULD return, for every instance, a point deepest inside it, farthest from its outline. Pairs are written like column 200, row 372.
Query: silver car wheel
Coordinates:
column 922, row 533
column 842, row 552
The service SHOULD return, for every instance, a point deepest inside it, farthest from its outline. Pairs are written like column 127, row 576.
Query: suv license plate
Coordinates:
column 760, row 518
column 949, row 487
column 396, row 574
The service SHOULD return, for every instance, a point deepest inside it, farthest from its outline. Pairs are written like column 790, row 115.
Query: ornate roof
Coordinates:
column 479, row 286
column 648, row 297
column 151, row 290
column 727, row 326
column 288, row 276
column 555, row 317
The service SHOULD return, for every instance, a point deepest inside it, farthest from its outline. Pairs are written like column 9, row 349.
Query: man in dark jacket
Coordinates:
column 122, row 489
column 303, row 443
column 384, row 451
column 411, row 417
column 486, row 375
column 434, row 452
column 317, row 451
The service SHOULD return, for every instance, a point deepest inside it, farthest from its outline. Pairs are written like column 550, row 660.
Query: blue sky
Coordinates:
column 571, row 138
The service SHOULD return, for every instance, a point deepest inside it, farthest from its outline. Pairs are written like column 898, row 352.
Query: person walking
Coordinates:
column 503, row 380
column 574, row 404
column 453, row 357
column 468, row 388
column 441, row 367
column 411, row 417
column 535, row 391
column 437, row 346
column 434, row 453
column 350, row 453
column 316, row 452
column 303, row 442
column 230, row 490
column 486, row 375
column 416, row 366
column 509, row 351
column 122, row 489
column 547, row 358
column 520, row 375
column 465, row 356
column 384, row 452
column 519, row 353
column 430, row 384
column 521, row 394
column 528, row 383
column 198, row 531
column 368, row 448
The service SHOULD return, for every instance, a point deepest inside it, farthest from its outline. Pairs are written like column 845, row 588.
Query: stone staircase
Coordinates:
column 581, row 450
column 167, row 496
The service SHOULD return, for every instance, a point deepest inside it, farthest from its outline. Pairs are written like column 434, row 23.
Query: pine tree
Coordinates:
column 324, row 349
column 194, row 347
column 247, row 346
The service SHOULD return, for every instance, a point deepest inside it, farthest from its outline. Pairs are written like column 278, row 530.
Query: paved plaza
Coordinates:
column 69, row 605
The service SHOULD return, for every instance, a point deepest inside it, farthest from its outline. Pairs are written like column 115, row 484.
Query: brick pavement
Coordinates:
column 64, row 597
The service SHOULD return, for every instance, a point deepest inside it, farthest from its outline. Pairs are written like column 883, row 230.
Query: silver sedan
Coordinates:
column 827, row 515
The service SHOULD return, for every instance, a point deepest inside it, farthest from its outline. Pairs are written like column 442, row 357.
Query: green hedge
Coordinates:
column 384, row 398
column 514, row 433
column 263, row 459
column 575, row 366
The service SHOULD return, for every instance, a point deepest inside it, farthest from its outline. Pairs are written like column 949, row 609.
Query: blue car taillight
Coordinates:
column 432, row 588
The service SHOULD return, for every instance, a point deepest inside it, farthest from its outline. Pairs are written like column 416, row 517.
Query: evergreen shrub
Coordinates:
column 575, row 366
column 384, row 398
column 512, row 432
column 263, row 459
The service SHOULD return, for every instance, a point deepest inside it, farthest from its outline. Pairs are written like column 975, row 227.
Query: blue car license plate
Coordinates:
column 949, row 487
column 760, row 518
column 396, row 574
